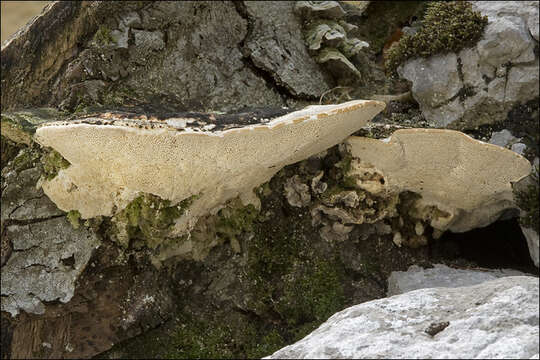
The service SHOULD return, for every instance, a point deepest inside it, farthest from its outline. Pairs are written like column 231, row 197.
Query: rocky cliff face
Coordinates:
column 251, row 266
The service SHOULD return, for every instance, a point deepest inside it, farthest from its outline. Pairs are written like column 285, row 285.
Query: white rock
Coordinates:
column 519, row 148
column 507, row 45
column 39, row 268
column 495, row 319
column 526, row 10
column 440, row 275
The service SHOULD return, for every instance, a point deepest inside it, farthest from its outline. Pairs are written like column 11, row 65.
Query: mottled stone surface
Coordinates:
column 494, row 319
column 47, row 258
column 441, row 275
column 185, row 56
column 480, row 84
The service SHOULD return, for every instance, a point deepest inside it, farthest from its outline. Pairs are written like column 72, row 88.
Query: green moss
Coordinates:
column 8, row 151
column 312, row 294
column 234, row 220
column 103, row 36
column 73, row 217
column 198, row 340
column 527, row 201
column 149, row 218
column 53, row 162
column 289, row 278
column 25, row 159
column 223, row 336
column 446, row 27
column 347, row 181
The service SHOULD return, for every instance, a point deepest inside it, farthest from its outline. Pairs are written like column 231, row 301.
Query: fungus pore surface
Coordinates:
column 463, row 183
column 113, row 160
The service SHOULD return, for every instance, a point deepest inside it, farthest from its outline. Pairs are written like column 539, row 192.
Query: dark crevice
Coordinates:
column 460, row 69
column 29, row 221
column 69, row 261
column 497, row 246
column 507, row 66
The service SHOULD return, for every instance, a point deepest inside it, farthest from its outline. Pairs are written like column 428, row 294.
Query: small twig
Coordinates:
column 330, row 90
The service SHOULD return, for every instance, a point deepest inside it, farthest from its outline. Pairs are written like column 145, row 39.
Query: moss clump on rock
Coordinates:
column 148, row 218
column 53, row 162
column 446, row 27
column 73, row 217
column 8, row 151
column 103, row 36
column 527, row 201
column 235, row 220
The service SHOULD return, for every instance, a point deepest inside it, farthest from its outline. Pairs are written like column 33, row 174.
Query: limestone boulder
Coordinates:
column 494, row 319
column 400, row 282
column 480, row 84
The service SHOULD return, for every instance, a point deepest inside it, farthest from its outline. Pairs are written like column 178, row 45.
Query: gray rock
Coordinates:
column 23, row 200
column 440, row 275
column 505, row 40
column 527, row 11
column 502, row 138
column 531, row 235
column 283, row 56
column 47, row 258
column 152, row 40
column 522, row 83
column 479, row 85
column 519, row 148
column 444, row 115
column 183, row 56
column 435, row 79
column 495, row 319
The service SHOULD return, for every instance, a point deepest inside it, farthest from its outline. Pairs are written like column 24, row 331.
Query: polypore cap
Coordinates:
column 466, row 178
column 115, row 157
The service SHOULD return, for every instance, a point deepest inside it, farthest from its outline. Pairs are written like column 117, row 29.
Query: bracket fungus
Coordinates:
column 463, row 183
column 326, row 35
column 115, row 158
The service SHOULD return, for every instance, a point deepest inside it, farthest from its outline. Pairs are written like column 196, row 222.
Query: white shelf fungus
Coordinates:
column 463, row 183
column 115, row 160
